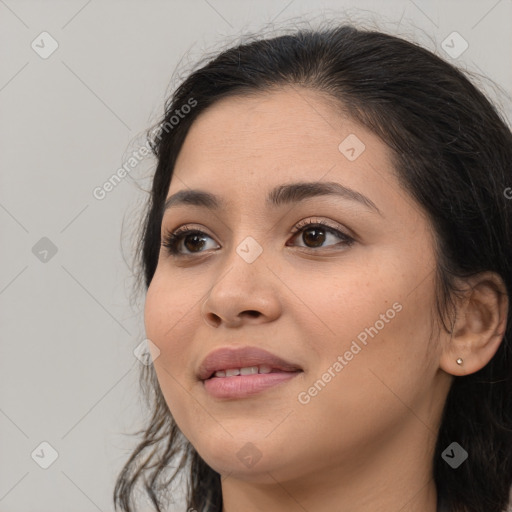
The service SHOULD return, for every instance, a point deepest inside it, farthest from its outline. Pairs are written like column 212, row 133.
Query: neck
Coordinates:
column 386, row 476
column 286, row 497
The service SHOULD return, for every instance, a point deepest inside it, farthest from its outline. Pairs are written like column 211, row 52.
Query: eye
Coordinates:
column 191, row 238
column 315, row 233
column 194, row 240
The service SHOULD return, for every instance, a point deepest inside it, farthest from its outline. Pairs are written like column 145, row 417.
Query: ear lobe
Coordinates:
column 480, row 323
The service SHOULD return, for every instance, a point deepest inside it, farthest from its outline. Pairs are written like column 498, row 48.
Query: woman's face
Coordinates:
column 348, row 305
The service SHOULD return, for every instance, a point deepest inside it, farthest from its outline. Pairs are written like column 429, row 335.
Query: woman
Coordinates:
column 326, row 256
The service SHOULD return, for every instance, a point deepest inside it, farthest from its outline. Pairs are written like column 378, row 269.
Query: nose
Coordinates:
column 244, row 291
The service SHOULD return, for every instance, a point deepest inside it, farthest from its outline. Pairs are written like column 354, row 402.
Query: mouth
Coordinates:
column 247, row 370
column 241, row 372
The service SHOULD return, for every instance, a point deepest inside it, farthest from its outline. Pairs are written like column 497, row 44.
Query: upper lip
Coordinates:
column 228, row 358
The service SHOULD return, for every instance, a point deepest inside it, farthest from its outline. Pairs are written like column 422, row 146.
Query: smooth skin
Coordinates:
column 366, row 440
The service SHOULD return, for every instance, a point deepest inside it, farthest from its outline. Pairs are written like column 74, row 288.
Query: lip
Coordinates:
column 227, row 358
column 244, row 385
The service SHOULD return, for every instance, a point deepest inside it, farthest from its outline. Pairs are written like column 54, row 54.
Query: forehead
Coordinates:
column 285, row 133
column 243, row 147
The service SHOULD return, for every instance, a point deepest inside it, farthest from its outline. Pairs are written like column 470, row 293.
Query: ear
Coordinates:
column 479, row 326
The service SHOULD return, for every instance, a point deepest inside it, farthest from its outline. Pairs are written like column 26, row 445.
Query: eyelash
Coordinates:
column 172, row 239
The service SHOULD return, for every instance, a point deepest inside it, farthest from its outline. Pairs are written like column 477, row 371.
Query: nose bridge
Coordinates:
column 244, row 263
column 242, row 254
column 248, row 238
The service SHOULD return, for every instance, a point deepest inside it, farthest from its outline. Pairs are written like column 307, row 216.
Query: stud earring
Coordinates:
column 459, row 361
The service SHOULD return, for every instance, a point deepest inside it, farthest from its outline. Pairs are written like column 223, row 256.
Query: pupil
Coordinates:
column 317, row 239
column 196, row 238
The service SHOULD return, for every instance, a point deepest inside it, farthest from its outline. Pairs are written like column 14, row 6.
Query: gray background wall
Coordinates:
column 68, row 121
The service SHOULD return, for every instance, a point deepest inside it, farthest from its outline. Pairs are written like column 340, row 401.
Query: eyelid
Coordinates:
column 296, row 227
column 322, row 222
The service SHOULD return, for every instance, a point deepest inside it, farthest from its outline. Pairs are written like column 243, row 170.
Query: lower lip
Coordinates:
column 242, row 386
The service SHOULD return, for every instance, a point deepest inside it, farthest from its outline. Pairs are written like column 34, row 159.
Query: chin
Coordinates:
column 262, row 472
column 257, row 460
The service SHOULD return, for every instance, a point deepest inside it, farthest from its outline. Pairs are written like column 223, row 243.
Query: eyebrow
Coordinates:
column 280, row 195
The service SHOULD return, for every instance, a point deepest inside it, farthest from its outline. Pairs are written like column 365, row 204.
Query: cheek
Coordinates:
column 350, row 303
column 170, row 301
column 168, row 322
column 363, row 398
column 380, row 327
column 388, row 360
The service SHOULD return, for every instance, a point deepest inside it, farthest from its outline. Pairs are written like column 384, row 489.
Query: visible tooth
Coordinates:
column 220, row 373
column 264, row 368
column 249, row 370
column 232, row 372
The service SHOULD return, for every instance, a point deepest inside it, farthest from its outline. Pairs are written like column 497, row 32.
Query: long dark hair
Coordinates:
column 452, row 152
